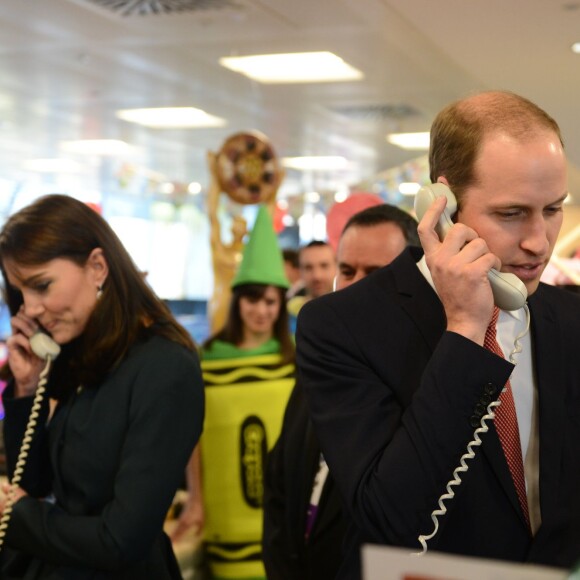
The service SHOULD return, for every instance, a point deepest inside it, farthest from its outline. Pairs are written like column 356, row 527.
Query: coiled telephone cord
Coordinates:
column 24, row 448
column 470, row 454
column 461, row 468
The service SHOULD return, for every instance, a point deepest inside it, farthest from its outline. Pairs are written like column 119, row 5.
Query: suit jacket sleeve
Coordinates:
column 390, row 446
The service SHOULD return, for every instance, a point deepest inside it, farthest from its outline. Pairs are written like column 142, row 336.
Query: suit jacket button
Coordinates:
column 490, row 389
column 474, row 421
column 479, row 410
column 485, row 400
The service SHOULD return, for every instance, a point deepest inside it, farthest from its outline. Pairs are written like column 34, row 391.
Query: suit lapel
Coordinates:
column 549, row 367
column 418, row 298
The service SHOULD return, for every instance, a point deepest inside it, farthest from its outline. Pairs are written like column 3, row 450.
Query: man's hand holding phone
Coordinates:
column 459, row 265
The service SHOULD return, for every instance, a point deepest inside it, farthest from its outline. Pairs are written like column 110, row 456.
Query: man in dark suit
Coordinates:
column 303, row 522
column 397, row 377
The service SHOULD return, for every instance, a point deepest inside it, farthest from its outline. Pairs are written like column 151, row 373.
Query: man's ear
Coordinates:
column 98, row 265
column 443, row 179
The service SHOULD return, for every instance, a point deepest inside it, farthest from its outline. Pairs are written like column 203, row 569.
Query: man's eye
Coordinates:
column 509, row 214
column 41, row 286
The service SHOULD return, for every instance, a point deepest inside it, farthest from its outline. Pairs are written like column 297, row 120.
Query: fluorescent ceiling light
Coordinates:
column 321, row 163
column 171, row 117
column 58, row 165
column 410, row 140
column 298, row 67
column 97, row 147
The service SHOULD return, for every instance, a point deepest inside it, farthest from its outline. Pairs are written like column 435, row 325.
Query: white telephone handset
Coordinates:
column 509, row 292
column 46, row 348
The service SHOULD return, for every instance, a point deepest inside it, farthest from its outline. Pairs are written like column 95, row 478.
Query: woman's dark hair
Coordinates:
column 59, row 226
column 233, row 330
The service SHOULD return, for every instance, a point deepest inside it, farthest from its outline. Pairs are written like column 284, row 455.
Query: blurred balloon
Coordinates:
column 341, row 212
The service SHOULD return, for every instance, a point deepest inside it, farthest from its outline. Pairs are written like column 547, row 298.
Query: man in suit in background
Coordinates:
column 317, row 270
column 397, row 378
column 303, row 522
column 292, row 269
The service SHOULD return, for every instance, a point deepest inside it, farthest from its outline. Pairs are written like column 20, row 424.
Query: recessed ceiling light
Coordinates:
column 298, row 67
column 419, row 141
column 576, row 47
column 171, row 117
column 97, row 147
column 320, row 163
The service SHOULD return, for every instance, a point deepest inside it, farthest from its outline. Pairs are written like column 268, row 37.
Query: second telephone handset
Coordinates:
column 509, row 292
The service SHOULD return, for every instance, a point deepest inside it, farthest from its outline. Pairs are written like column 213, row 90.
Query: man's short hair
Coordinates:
column 290, row 255
column 385, row 213
column 459, row 130
column 315, row 244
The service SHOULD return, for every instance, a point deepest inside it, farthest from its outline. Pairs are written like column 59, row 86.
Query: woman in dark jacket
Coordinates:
column 123, row 408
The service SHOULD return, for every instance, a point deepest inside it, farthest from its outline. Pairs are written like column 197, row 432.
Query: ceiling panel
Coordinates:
column 66, row 67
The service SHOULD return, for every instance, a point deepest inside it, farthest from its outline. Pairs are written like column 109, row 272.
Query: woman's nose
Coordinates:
column 33, row 308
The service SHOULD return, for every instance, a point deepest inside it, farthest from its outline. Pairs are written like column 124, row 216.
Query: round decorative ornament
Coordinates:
column 248, row 169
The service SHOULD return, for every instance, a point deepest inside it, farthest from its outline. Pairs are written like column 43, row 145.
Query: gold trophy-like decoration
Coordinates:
column 247, row 170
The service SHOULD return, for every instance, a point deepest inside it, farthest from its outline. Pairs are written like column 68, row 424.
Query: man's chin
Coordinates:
column 531, row 286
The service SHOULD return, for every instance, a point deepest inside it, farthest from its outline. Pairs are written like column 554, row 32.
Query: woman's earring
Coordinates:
column 99, row 292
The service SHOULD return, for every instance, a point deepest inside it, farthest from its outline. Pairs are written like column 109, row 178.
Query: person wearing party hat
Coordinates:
column 248, row 371
column 257, row 319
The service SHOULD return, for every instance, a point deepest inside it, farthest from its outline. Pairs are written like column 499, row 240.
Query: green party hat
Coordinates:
column 262, row 262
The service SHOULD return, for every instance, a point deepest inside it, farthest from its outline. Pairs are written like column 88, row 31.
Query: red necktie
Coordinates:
column 506, row 423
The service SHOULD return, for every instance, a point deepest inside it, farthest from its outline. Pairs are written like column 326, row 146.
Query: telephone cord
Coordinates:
column 470, row 454
column 24, row 448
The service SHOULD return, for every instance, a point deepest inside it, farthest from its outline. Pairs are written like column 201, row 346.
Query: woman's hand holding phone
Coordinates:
column 7, row 489
column 24, row 364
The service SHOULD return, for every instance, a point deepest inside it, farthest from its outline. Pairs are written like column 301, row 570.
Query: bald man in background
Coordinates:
column 303, row 522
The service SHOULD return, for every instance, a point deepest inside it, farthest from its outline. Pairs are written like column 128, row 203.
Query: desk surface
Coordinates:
column 403, row 565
